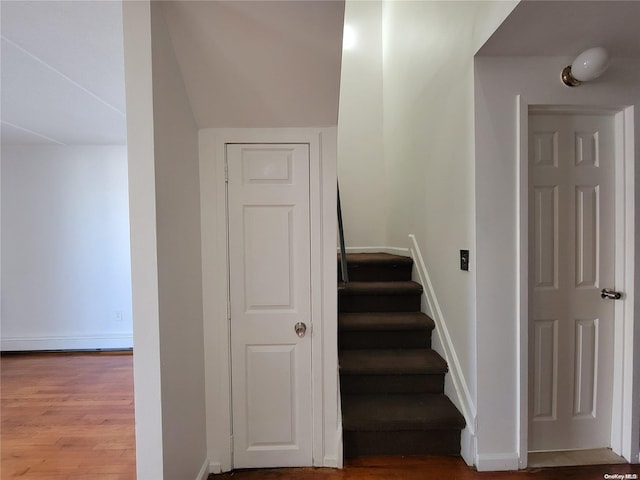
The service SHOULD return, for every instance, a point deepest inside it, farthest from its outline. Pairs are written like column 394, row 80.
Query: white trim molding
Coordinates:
column 627, row 429
column 460, row 394
column 625, row 414
column 497, row 462
column 215, row 468
column 215, row 276
column 203, row 474
column 88, row 342
column 338, row 461
column 522, row 288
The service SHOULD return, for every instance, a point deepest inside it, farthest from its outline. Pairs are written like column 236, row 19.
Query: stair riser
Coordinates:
column 363, row 384
column 423, row 442
column 374, row 273
column 378, row 303
column 351, row 340
column 393, row 400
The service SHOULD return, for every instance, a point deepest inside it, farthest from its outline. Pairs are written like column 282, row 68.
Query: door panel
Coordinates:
column 269, row 264
column 546, row 240
column 546, row 369
column 270, row 406
column 571, row 259
column 585, row 376
column 268, row 227
column 587, row 239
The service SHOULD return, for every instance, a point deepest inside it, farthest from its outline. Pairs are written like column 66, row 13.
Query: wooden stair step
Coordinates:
column 381, row 288
column 377, row 267
column 384, row 321
column 377, row 258
column 420, row 383
column 383, row 339
column 400, row 412
column 391, row 381
column 408, row 442
column 391, row 362
column 386, row 330
column 401, row 296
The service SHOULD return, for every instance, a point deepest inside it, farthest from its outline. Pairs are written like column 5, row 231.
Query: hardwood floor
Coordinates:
column 71, row 417
column 425, row 468
column 67, row 416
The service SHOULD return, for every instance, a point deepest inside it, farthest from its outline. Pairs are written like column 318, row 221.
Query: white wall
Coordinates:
column 65, row 248
column 165, row 242
column 179, row 262
column 498, row 81
column 142, row 212
column 167, row 265
column 263, row 64
column 428, row 50
column 361, row 169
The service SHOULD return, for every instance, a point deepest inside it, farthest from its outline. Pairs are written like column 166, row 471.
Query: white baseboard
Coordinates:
column 468, row 446
column 331, row 462
column 462, row 398
column 215, row 467
column 497, row 462
column 97, row 342
column 337, row 460
column 404, row 252
column 203, row 474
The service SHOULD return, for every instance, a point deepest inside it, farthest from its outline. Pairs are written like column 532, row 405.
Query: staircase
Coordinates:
column 391, row 381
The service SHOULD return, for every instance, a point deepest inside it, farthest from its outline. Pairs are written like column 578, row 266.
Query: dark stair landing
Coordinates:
column 392, row 382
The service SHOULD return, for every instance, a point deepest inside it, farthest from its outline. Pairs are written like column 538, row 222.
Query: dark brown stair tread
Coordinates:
column 354, row 259
column 401, row 443
column 396, row 362
column 385, row 321
column 381, row 288
column 387, row 412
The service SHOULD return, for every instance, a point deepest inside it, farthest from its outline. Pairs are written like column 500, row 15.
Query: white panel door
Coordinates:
column 269, row 265
column 571, row 259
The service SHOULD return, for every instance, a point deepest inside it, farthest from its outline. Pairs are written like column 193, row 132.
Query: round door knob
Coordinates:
column 300, row 329
column 610, row 294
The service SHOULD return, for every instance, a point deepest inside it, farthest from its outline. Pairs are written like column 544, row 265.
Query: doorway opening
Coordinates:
column 578, row 205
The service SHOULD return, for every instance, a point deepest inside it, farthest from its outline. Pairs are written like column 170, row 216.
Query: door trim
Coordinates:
column 327, row 449
column 624, row 414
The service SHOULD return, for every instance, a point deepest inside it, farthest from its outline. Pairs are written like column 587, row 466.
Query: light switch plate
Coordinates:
column 464, row 260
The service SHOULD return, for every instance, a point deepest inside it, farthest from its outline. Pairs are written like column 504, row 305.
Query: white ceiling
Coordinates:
column 62, row 73
column 566, row 28
column 259, row 63
column 245, row 64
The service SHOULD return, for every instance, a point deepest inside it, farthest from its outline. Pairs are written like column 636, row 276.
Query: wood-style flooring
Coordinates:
column 67, row 416
column 425, row 468
column 71, row 417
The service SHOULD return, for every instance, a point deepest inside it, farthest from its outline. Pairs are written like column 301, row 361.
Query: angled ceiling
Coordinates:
column 566, row 28
column 259, row 63
column 244, row 63
column 62, row 73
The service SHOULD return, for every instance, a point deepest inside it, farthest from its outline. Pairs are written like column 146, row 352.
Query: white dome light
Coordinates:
column 589, row 65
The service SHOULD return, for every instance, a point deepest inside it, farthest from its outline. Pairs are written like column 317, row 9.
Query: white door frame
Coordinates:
column 327, row 446
column 623, row 418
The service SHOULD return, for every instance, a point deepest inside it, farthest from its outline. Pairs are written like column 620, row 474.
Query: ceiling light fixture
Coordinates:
column 589, row 65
